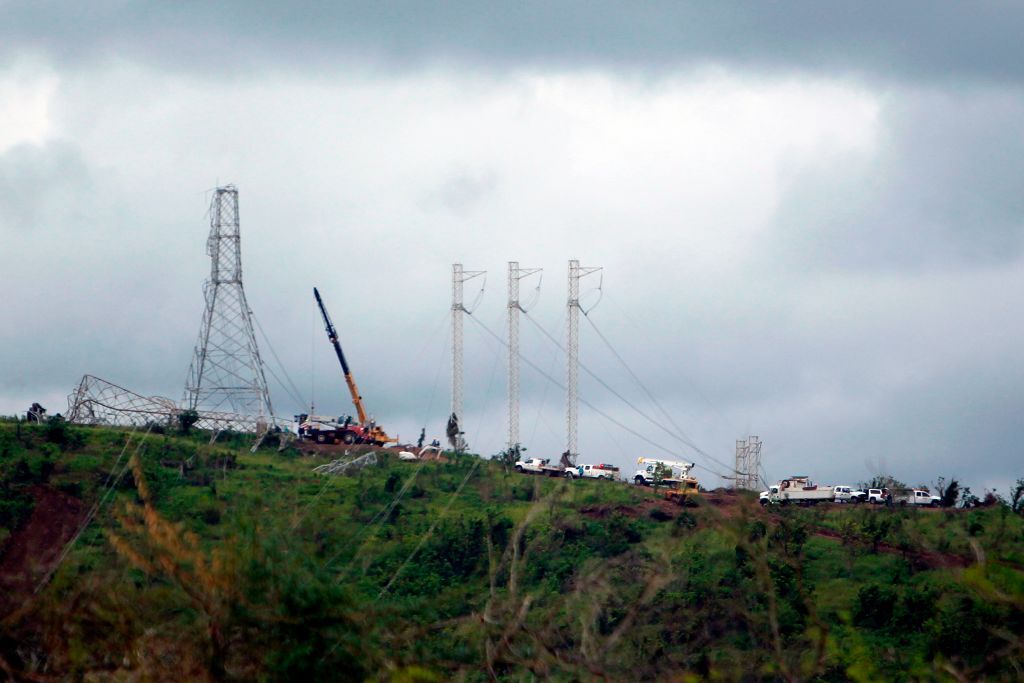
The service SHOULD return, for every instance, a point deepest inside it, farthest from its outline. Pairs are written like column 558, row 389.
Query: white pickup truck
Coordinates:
column 915, row 497
column 878, row 496
column 538, row 466
column 848, row 494
column 904, row 497
column 601, row 471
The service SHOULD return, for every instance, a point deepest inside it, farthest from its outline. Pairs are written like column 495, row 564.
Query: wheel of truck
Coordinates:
column 348, row 437
column 933, row 504
column 764, row 501
column 321, row 438
column 638, row 480
column 519, row 469
column 785, row 501
column 570, row 475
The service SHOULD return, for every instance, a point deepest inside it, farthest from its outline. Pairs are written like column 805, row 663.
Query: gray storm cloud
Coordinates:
column 809, row 215
column 912, row 40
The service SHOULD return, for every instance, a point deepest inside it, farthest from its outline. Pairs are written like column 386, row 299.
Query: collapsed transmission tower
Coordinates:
column 227, row 371
column 572, row 349
column 459, row 278
column 748, row 463
column 96, row 401
column 515, row 274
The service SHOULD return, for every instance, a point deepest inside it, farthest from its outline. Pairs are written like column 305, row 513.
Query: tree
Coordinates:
column 968, row 499
column 186, row 419
column 661, row 473
column 35, row 413
column 883, row 481
column 509, row 456
column 1016, row 501
column 948, row 493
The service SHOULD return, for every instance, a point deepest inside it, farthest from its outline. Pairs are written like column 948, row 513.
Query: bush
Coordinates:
column 58, row 432
column 961, row 629
column 659, row 515
column 874, row 607
column 72, row 488
column 186, row 419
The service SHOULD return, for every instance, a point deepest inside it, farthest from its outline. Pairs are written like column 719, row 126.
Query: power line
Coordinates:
column 430, row 531
column 561, row 386
column 111, row 485
column 293, row 392
column 640, row 412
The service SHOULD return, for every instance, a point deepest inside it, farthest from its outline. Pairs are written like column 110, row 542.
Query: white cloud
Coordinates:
column 26, row 95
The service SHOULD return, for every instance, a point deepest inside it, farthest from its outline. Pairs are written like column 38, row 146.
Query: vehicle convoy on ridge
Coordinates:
column 343, row 429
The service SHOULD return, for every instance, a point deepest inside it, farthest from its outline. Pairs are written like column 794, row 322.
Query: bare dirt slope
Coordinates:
column 34, row 546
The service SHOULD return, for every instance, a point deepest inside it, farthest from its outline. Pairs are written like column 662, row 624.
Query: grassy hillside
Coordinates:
column 209, row 562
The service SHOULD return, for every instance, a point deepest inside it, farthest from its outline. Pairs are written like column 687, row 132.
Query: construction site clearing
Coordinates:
column 227, row 372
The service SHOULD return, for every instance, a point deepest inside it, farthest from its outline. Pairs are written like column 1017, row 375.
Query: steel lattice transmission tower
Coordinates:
column 572, row 350
column 459, row 278
column 748, row 463
column 227, row 371
column 515, row 274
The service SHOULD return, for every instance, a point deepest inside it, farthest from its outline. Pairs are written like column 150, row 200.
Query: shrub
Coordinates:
column 874, row 606
column 659, row 515
column 186, row 419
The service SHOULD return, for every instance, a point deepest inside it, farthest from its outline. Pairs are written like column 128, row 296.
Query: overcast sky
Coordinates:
column 810, row 216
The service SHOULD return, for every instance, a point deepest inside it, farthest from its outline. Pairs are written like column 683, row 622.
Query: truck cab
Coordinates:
column 767, row 496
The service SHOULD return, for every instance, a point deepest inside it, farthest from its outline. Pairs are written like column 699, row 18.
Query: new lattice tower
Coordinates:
column 748, row 463
column 227, row 372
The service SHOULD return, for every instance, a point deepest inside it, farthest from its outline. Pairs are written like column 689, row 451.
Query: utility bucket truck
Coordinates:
column 674, row 475
column 344, row 429
column 647, row 470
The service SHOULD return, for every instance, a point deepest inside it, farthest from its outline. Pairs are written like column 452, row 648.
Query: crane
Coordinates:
column 365, row 430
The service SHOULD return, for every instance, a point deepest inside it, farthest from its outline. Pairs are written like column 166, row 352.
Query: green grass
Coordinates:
column 343, row 577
